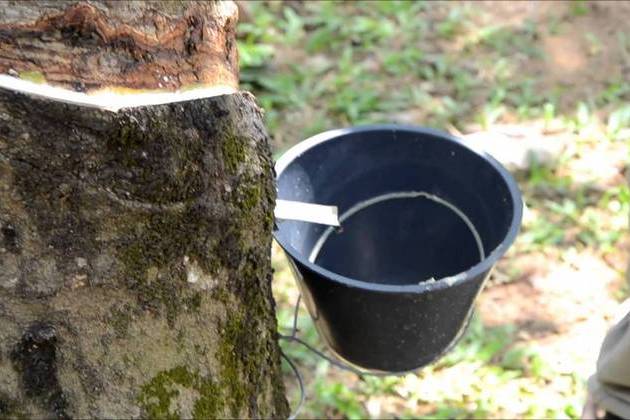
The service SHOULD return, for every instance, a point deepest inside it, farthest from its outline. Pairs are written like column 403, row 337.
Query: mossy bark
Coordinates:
column 134, row 261
column 134, row 245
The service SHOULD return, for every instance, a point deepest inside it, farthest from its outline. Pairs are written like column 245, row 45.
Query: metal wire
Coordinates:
column 295, row 339
column 300, row 382
column 397, row 196
column 296, row 310
column 294, row 330
column 326, row 357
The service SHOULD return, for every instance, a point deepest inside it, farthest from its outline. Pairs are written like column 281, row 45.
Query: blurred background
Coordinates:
column 544, row 86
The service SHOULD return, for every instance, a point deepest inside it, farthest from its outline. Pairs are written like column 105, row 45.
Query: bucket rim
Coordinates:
column 471, row 273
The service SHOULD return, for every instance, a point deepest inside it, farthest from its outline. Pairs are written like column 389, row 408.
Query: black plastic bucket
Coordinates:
column 424, row 218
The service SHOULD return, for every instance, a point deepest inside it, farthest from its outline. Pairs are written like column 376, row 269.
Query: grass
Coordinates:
column 347, row 65
column 460, row 67
column 489, row 362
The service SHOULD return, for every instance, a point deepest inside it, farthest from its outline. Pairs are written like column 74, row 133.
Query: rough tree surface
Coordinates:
column 127, row 44
column 134, row 246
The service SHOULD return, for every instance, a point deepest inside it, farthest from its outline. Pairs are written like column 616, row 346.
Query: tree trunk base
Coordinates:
column 135, row 276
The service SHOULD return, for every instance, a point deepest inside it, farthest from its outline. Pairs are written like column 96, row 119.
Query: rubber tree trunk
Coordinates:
column 134, row 245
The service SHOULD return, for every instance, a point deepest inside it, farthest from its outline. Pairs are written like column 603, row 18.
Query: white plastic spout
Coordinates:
column 307, row 212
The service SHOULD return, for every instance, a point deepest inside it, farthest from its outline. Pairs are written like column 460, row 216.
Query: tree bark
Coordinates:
column 135, row 276
column 123, row 44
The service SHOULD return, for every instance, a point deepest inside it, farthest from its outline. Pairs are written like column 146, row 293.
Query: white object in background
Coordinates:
column 517, row 148
column 307, row 212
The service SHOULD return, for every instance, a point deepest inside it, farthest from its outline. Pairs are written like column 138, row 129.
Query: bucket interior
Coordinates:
column 392, row 231
column 404, row 240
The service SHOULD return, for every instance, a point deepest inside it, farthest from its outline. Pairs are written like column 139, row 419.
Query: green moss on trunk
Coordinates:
column 157, row 396
column 145, row 237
